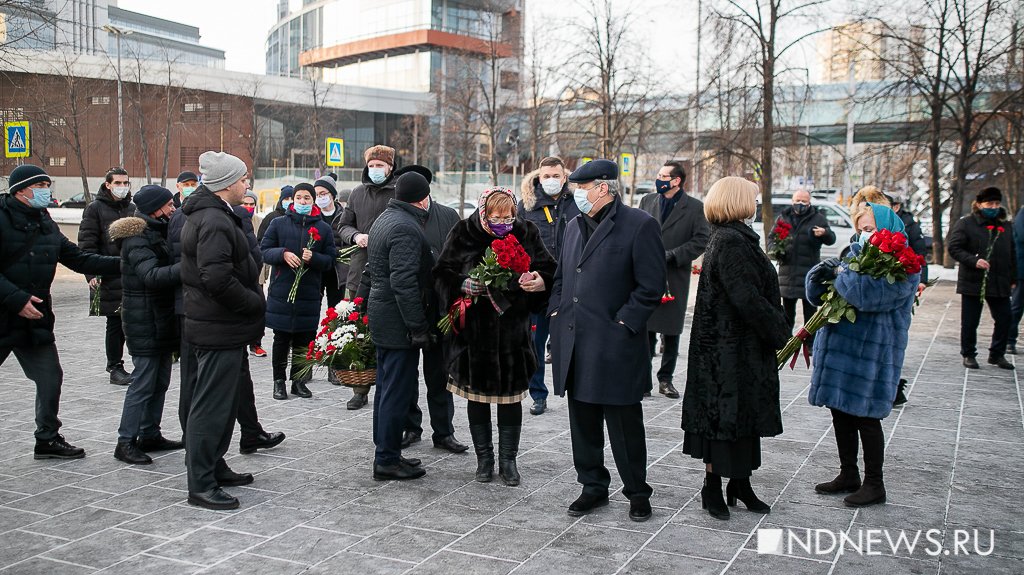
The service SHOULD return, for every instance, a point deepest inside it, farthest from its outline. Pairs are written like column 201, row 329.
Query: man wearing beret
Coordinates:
column 366, row 203
column 610, row 278
column 31, row 245
column 224, row 313
column 149, row 278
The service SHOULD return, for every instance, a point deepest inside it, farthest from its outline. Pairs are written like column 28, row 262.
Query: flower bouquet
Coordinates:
column 696, row 269
column 343, row 344
column 504, row 259
column 888, row 256
column 94, row 301
column 345, row 254
column 778, row 241
column 314, row 237
column 993, row 236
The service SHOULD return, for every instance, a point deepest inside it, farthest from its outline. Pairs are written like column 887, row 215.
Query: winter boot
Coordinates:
column 484, row 448
column 872, row 491
column 711, row 496
column 508, row 448
column 280, row 391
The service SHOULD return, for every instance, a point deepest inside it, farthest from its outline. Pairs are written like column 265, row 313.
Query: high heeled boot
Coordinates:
column 739, row 488
column 711, row 496
column 484, row 448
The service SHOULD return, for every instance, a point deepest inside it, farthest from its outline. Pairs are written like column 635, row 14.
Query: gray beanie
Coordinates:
column 220, row 170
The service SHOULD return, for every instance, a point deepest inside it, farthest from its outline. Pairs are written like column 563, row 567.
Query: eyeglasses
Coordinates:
column 508, row 220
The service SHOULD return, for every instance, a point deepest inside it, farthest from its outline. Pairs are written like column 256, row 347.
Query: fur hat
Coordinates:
column 990, row 194
column 382, row 153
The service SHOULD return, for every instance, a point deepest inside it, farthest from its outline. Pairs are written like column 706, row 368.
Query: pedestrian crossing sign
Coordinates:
column 626, row 162
column 335, row 152
column 16, row 140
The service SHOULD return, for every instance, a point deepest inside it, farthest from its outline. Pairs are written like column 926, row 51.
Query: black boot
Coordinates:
column 711, row 496
column 280, row 391
column 127, row 452
column 901, row 396
column 484, row 448
column 299, row 388
column 872, row 491
column 508, row 448
column 740, row 489
column 848, row 479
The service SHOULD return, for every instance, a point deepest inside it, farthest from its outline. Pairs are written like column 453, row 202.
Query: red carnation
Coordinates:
column 366, row 319
column 315, row 235
column 990, row 228
column 1000, row 229
column 354, row 316
column 358, row 301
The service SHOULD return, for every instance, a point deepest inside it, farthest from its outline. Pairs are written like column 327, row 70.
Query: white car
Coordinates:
column 466, row 210
column 838, row 219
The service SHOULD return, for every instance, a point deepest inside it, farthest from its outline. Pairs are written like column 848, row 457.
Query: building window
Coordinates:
column 58, row 122
column 61, row 161
column 220, row 107
column 193, row 106
column 100, row 100
column 12, row 114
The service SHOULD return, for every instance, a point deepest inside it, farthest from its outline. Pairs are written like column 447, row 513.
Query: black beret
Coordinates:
column 595, row 170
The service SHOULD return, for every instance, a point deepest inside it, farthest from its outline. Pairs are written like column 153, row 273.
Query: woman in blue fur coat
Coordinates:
column 857, row 365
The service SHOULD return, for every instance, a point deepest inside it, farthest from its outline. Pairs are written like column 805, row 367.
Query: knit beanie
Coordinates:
column 304, row 186
column 421, row 170
column 25, row 175
column 286, row 192
column 382, row 153
column 220, row 170
column 329, row 182
column 151, row 198
column 411, row 187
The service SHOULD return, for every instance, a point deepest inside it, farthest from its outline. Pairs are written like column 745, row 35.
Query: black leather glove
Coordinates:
column 670, row 258
column 424, row 340
column 824, row 272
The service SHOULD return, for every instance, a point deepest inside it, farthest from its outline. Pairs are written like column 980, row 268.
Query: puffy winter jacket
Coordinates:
column 93, row 238
column 549, row 214
column 290, row 233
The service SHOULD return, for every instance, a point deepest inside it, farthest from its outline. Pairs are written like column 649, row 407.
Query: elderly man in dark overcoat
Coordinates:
column 610, row 277
column 684, row 231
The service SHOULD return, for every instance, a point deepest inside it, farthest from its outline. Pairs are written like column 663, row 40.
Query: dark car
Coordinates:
column 75, row 201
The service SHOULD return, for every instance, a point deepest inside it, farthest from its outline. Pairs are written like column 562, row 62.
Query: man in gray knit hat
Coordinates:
column 224, row 312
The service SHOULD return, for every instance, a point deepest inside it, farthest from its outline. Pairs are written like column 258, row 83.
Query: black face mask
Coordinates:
column 163, row 219
column 800, row 209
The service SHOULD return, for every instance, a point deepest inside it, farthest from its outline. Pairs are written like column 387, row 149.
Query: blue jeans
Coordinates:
column 396, row 390
column 144, row 400
column 539, row 391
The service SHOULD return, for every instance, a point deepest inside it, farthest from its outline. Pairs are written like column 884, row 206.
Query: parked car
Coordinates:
column 838, row 218
column 75, row 201
column 466, row 210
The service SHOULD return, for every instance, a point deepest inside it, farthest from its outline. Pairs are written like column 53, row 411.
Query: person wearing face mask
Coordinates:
column 186, row 184
column 968, row 244
column 331, row 211
column 547, row 202
column 610, row 279
column 113, row 201
column 684, row 231
column 366, row 203
column 31, row 246
column 492, row 358
column 285, row 250
column 149, row 277
column 811, row 230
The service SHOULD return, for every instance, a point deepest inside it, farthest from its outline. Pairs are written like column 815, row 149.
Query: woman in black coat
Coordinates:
column 284, row 249
column 732, row 382
column 969, row 241
column 491, row 358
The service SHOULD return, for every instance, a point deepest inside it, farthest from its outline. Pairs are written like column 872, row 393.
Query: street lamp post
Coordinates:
column 118, row 33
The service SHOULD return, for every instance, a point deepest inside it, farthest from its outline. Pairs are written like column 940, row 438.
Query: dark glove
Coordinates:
column 670, row 258
column 825, row 271
column 424, row 340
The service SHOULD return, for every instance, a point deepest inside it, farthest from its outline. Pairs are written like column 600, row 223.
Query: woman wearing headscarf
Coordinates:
column 857, row 365
column 491, row 357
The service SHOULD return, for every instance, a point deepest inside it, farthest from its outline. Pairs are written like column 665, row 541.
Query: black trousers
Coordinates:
column 440, row 404
column 396, row 386
column 970, row 317
column 248, row 419
column 211, row 419
column 629, row 446
column 331, row 289
column 669, row 358
column 847, row 427
column 287, row 344
column 113, row 341
column 41, row 364
column 789, row 308
column 1016, row 310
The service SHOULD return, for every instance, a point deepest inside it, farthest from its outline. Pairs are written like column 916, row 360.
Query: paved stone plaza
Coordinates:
column 954, row 461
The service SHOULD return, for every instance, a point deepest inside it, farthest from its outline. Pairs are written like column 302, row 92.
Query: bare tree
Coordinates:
column 462, row 127
column 74, row 91
column 318, row 91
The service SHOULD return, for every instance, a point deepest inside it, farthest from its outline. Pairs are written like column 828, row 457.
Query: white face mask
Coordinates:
column 119, row 192
column 865, row 237
column 377, row 175
column 323, row 202
column 552, row 186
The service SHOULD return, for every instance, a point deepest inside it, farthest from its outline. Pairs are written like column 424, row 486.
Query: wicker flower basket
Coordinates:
column 353, row 378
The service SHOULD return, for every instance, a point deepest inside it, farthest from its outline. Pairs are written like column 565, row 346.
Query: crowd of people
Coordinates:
column 197, row 276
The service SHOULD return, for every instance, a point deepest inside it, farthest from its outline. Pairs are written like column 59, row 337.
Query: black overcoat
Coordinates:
column 968, row 242
column 94, row 238
column 803, row 250
column 618, row 276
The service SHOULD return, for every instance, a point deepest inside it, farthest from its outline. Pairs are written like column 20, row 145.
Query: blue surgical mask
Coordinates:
column 662, row 187
column 582, row 202
column 551, row 186
column 864, row 238
column 41, row 198
column 286, row 204
column 377, row 175
column 303, row 209
column 990, row 213
column 500, row 230
column 187, row 190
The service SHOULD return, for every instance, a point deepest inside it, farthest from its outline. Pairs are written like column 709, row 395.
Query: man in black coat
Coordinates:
column 224, row 311
column 803, row 251
column 611, row 275
column 403, row 314
column 31, row 245
column 971, row 238
column 547, row 202
column 113, row 201
column 684, row 231
column 149, row 278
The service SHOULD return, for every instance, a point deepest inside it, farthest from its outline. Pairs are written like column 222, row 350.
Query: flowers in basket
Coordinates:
column 993, row 236
column 503, row 260
column 314, row 237
column 343, row 341
column 886, row 255
column 778, row 241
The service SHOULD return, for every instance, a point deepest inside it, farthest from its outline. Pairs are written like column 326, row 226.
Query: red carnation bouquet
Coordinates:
column 993, row 236
column 343, row 341
column 314, row 237
column 888, row 256
column 778, row 241
column 504, row 260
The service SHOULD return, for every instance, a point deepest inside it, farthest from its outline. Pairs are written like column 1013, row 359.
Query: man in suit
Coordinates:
column 610, row 278
column 684, row 231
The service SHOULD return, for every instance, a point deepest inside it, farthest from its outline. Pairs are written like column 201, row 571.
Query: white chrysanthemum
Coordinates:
column 344, row 308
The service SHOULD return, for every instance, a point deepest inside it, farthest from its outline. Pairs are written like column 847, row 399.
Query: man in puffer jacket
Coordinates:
column 149, row 277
